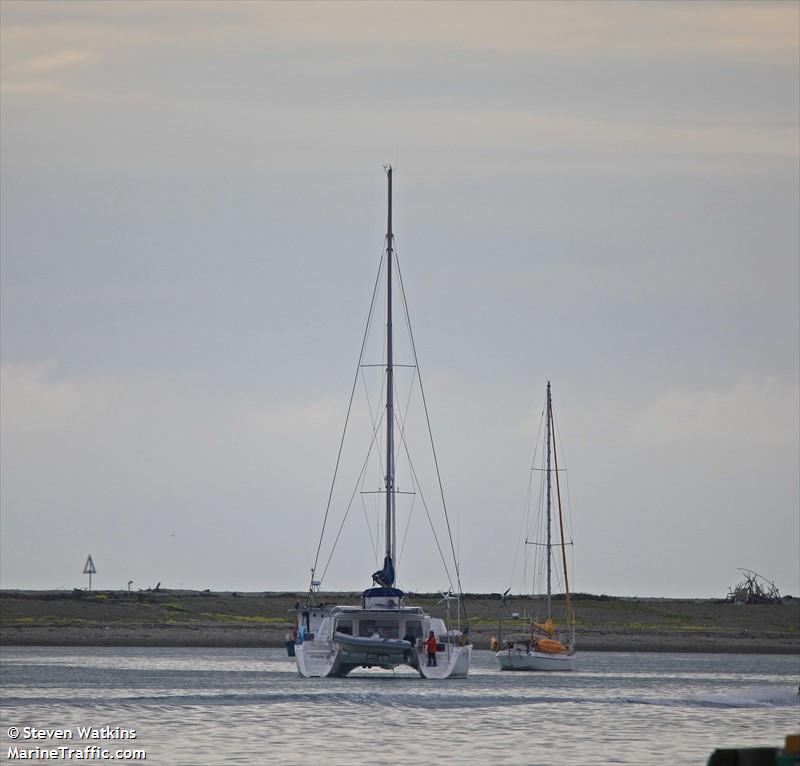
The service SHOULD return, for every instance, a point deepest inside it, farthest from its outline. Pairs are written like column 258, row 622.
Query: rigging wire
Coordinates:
column 401, row 424
column 347, row 420
column 349, row 504
column 561, row 526
column 542, row 556
column 569, row 530
column 538, row 518
column 565, row 471
column 540, row 562
column 405, row 531
column 375, row 422
column 430, row 432
column 524, row 522
column 377, row 419
column 372, row 539
column 416, row 483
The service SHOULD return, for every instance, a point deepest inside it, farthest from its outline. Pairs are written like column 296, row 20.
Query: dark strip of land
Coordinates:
column 202, row 618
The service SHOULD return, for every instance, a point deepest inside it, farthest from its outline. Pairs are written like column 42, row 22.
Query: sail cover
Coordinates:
column 385, row 576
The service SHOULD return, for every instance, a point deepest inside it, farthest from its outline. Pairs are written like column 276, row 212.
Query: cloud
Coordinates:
column 49, row 63
column 718, row 30
column 106, row 34
column 755, row 413
column 38, row 399
column 104, row 459
column 40, row 74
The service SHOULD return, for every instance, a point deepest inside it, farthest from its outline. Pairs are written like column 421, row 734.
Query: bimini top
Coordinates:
column 391, row 598
column 371, row 592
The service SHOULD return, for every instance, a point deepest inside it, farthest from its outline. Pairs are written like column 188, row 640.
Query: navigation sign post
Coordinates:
column 88, row 568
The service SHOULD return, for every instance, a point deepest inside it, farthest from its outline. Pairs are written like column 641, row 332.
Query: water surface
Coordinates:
column 249, row 706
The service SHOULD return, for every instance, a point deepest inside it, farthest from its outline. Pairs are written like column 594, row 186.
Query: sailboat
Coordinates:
column 546, row 646
column 383, row 631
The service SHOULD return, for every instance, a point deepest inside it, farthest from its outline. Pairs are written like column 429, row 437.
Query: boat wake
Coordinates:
column 751, row 697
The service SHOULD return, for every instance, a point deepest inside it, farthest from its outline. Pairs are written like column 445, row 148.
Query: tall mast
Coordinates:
column 549, row 491
column 390, row 530
column 570, row 621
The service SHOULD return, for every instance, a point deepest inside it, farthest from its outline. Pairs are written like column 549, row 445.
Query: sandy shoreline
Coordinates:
column 206, row 619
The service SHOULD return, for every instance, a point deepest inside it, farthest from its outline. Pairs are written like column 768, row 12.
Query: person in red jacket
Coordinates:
column 430, row 648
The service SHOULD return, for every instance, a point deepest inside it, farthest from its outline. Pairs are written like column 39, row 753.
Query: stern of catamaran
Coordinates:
column 379, row 634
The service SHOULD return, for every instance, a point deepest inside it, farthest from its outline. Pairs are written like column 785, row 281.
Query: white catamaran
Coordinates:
column 383, row 631
column 545, row 647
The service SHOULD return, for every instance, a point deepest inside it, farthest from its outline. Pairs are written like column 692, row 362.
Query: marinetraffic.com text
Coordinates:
column 79, row 743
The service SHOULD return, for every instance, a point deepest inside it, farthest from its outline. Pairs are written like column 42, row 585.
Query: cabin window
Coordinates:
column 345, row 626
column 414, row 628
column 386, row 628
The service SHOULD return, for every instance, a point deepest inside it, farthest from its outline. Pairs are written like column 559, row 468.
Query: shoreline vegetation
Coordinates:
column 183, row 618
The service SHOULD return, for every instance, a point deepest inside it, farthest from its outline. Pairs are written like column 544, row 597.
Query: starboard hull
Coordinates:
column 456, row 665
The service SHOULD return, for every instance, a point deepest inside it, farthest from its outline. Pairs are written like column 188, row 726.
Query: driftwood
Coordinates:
column 754, row 589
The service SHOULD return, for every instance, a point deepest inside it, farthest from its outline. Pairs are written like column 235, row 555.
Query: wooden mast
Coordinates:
column 552, row 430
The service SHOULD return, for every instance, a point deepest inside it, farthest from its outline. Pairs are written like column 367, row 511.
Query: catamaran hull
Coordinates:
column 519, row 659
column 456, row 665
column 332, row 659
column 314, row 658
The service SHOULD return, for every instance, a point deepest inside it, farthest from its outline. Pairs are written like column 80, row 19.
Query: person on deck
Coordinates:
column 430, row 648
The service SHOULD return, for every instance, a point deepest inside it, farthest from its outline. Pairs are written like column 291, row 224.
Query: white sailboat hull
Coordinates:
column 542, row 649
column 522, row 659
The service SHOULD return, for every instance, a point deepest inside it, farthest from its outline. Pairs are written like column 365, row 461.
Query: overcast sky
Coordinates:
column 604, row 195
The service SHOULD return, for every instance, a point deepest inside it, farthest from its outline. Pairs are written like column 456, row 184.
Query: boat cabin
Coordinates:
column 375, row 623
column 382, row 614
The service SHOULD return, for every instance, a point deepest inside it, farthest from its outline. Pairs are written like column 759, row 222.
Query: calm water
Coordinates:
column 249, row 706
